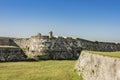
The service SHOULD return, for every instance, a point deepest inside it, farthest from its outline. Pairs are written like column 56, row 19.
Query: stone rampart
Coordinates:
column 98, row 67
column 99, row 46
column 11, row 53
column 50, row 47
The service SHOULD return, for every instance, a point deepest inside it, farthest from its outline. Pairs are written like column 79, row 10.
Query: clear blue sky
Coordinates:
column 88, row 19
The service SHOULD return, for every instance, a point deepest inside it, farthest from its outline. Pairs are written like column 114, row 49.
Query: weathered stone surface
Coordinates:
column 54, row 48
column 98, row 67
column 8, row 53
column 50, row 47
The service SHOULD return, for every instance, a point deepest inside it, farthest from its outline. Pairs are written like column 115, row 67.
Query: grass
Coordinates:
column 42, row 70
column 111, row 54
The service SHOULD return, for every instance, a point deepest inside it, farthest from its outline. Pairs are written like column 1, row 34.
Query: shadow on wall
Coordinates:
column 5, row 41
column 10, row 51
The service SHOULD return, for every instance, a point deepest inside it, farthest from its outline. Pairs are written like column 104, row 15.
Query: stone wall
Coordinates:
column 21, row 42
column 99, row 46
column 10, row 53
column 53, row 48
column 50, row 47
column 4, row 41
column 98, row 67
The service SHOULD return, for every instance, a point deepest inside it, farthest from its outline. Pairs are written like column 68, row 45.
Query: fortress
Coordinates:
column 49, row 47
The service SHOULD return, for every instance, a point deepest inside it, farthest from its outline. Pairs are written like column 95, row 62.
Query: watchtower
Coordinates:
column 50, row 34
column 39, row 35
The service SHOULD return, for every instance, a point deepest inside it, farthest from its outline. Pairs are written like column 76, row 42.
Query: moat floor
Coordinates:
column 42, row 70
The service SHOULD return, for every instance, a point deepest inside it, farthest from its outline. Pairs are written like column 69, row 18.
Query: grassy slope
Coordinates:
column 111, row 54
column 42, row 70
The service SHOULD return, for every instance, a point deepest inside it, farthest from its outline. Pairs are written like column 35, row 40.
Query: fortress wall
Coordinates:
column 53, row 48
column 10, row 49
column 93, row 67
column 98, row 46
column 21, row 42
column 50, row 47
column 11, row 54
column 4, row 41
column 44, row 47
column 39, row 43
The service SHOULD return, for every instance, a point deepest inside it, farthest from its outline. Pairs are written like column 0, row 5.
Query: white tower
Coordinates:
column 50, row 34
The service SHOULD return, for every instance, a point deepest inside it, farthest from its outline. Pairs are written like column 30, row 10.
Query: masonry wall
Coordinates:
column 50, row 47
column 11, row 54
column 98, row 46
column 38, row 42
column 43, row 47
column 97, row 67
column 21, row 42
column 53, row 48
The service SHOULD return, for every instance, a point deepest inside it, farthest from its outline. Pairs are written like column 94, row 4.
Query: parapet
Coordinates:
column 39, row 35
